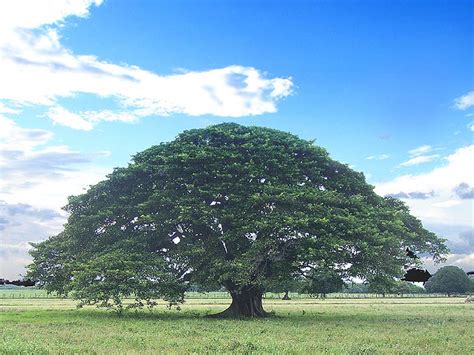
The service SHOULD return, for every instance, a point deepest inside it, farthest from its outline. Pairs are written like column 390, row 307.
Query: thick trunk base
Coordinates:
column 286, row 297
column 245, row 304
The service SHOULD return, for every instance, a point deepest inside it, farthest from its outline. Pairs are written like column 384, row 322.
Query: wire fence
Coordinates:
column 42, row 294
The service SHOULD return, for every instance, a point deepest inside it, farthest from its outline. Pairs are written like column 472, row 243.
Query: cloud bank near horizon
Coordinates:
column 36, row 178
column 443, row 199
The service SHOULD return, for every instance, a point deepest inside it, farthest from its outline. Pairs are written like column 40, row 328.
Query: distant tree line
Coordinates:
column 324, row 284
column 448, row 280
column 26, row 282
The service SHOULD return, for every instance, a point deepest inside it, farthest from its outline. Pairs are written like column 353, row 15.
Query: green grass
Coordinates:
column 418, row 325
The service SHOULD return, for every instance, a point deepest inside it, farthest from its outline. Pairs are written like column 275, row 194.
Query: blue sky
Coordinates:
column 382, row 69
column 385, row 86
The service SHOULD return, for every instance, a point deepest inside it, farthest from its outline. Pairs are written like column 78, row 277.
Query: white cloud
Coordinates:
column 6, row 109
column 19, row 225
column 85, row 120
column 447, row 203
column 14, row 137
column 439, row 186
column 420, row 150
column 36, row 178
column 37, row 69
column 61, row 116
column 378, row 157
column 465, row 101
column 40, row 175
column 13, row 264
column 463, row 261
column 29, row 14
column 420, row 159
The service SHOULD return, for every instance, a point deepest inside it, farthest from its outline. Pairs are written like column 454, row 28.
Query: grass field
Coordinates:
column 434, row 325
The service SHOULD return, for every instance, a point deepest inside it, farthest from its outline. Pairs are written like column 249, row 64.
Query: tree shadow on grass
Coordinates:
column 203, row 315
column 164, row 315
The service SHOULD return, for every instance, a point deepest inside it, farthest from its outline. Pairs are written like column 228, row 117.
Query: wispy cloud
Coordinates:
column 419, row 160
column 418, row 156
column 465, row 101
column 59, row 115
column 36, row 69
column 420, row 150
column 417, row 195
column 378, row 157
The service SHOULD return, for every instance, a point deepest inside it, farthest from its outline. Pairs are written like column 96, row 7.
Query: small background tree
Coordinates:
column 285, row 286
column 404, row 288
column 355, row 287
column 448, row 280
column 322, row 282
column 381, row 284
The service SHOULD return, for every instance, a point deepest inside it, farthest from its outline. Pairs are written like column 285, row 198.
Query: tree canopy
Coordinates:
column 449, row 280
column 241, row 207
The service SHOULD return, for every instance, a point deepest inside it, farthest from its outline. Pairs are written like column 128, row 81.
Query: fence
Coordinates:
column 41, row 294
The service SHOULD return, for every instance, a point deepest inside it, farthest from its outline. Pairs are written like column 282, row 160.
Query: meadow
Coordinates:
column 302, row 325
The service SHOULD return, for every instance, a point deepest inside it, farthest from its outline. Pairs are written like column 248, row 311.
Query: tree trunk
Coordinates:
column 286, row 297
column 246, row 302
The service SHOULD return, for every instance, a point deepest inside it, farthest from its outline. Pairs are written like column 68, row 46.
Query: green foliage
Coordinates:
column 384, row 285
column 449, row 280
column 322, row 282
column 241, row 207
column 354, row 287
column 381, row 284
column 404, row 287
column 192, row 287
column 290, row 284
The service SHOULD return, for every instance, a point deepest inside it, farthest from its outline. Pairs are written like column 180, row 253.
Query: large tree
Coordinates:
column 237, row 206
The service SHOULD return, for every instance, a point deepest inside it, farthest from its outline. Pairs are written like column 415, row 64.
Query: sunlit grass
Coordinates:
column 299, row 326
